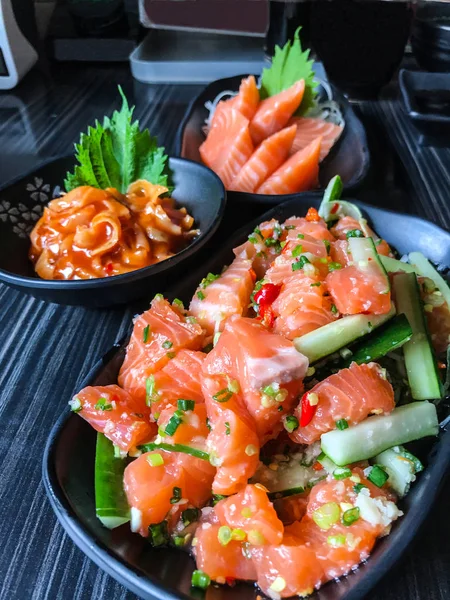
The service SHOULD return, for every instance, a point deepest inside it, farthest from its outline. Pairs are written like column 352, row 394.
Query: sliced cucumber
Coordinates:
column 401, row 466
column 175, row 448
column 111, row 504
column 392, row 265
column 336, row 335
column 365, row 256
column 378, row 433
column 423, row 374
column 390, row 336
column 333, row 191
column 426, row 269
column 328, row 465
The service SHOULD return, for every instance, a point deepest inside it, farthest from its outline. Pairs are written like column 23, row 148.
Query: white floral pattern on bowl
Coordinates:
column 23, row 217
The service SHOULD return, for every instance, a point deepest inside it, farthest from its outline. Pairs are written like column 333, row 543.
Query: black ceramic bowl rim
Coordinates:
column 140, row 583
column 105, row 282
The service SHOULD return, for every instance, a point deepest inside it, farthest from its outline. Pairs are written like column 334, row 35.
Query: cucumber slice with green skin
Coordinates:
column 111, row 504
column 376, row 434
column 392, row 265
column 326, row 462
column 335, row 209
column 390, row 336
column 400, row 465
column 175, row 448
column 426, row 269
column 336, row 335
column 334, row 189
column 423, row 374
column 365, row 256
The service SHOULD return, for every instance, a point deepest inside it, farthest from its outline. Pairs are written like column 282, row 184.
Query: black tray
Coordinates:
column 68, row 461
column 349, row 157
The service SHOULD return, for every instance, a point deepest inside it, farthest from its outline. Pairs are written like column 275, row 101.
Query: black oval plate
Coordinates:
column 68, row 461
column 349, row 157
column 22, row 203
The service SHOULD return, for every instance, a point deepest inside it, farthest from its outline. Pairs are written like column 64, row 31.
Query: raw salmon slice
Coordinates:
column 339, row 253
column 217, row 299
column 356, row 290
column 316, row 229
column 346, row 224
column 124, row 419
column 149, row 488
column 247, row 100
column 281, row 269
column 233, row 444
column 193, row 429
column 261, row 362
column 158, row 334
column 180, row 378
column 252, row 512
column 437, row 315
column 274, row 112
column 309, row 129
column 260, row 248
column 223, row 563
column 228, row 145
column 266, row 159
column 351, row 394
column 299, row 173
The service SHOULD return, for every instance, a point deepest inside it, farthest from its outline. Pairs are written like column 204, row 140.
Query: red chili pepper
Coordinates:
column 230, row 581
column 335, row 208
column 264, row 298
column 308, row 410
column 109, row 268
column 317, row 466
column 312, row 215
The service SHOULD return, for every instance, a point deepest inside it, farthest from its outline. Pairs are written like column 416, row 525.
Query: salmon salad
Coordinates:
column 267, row 426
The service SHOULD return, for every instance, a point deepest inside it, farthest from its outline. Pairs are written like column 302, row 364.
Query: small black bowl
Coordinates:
column 430, row 37
column 21, row 204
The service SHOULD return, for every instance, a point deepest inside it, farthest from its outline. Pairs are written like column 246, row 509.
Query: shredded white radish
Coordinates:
column 211, row 107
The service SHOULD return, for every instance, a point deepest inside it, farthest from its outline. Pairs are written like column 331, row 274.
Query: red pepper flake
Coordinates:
column 312, row 215
column 109, row 268
column 264, row 298
column 317, row 466
column 308, row 408
column 230, row 581
column 335, row 208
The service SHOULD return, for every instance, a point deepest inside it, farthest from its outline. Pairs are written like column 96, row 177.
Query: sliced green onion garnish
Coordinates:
column 342, row 473
column 175, row 448
column 224, row 535
column 291, row 423
column 155, row 460
column 227, row 428
column 342, row 424
column 178, row 303
column 208, row 280
column 316, row 284
column 297, row 250
column 350, row 516
column 150, row 390
column 378, row 476
column 334, row 266
column 217, row 498
column 358, row 487
column 233, row 386
column 200, row 295
column 327, row 515
column 145, row 333
column 176, row 495
column 301, row 236
column 302, row 261
column 185, row 405
column 75, row 405
column 334, row 309
column 200, row 580
column 174, row 422
column 336, row 540
column 167, row 344
column 190, row 515
column 354, row 233
column 327, row 246
column 102, row 404
column 159, row 534
column 223, row 395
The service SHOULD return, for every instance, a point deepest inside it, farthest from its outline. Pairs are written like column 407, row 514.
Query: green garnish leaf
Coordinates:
column 289, row 65
column 103, row 404
column 116, row 152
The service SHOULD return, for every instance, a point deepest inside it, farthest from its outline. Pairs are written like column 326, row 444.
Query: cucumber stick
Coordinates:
column 111, row 505
column 365, row 255
column 336, row 335
column 392, row 265
column 390, row 336
column 426, row 269
column 401, row 466
column 423, row 375
column 376, row 434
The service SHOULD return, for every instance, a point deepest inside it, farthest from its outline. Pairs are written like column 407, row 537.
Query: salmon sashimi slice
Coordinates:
column 191, row 426
column 228, row 145
column 158, row 334
column 266, row 159
column 284, row 265
column 339, row 253
column 346, row 224
column 316, row 229
column 179, row 378
column 253, row 513
column 222, row 562
column 149, row 483
column 302, row 306
column 274, row 112
column 437, row 314
column 308, row 129
column 247, row 100
column 268, row 370
column 219, row 297
column 233, row 444
column 124, row 419
column 299, row 173
column 356, row 289
column 351, row 394
column 263, row 246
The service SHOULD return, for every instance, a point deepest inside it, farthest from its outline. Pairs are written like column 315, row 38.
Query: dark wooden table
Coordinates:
column 46, row 349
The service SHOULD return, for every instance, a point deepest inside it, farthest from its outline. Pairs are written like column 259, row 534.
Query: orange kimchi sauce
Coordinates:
column 90, row 233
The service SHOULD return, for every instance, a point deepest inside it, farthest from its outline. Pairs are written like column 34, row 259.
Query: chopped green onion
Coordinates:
column 238, row 534
column 224, row 535
column 191, row 320
column 155, row 460
column 178, row 303
column 175, row 448
column 297, row 250
column 227, row 428
column 200, row 580
column 334, row 310
column 291, row 423
column 223, row 395
column 271, row 390
column 342, row 424
column 170, row 354
column 145, row 333
column 159, row 534
column 302, row 261
column 358, row 487
column 190, row 515
column 350, row 516
column 167, row 344
column 327, row 515
column 208, row 280
column 200, row 295
column 327, row 246
column 102, row 404
column 289, row 227
column 317, row 284
column 158, row 297
column 233, row 386
column 256, row 538
column 208, row 424
column 150, row 390
column 176, row 495
column 75, row 405
column 179, row 541
column 174, row 422
column 336, row 540
column 301, row 236
column 185, row 405
column 342, row 473
column 272, row 242
column 217, row 498
column 334, row 266
column 356, row 233
column 378, row 476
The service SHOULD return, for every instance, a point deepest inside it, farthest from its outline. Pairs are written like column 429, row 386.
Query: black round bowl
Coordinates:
column 430, row 38
column 22, row 203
